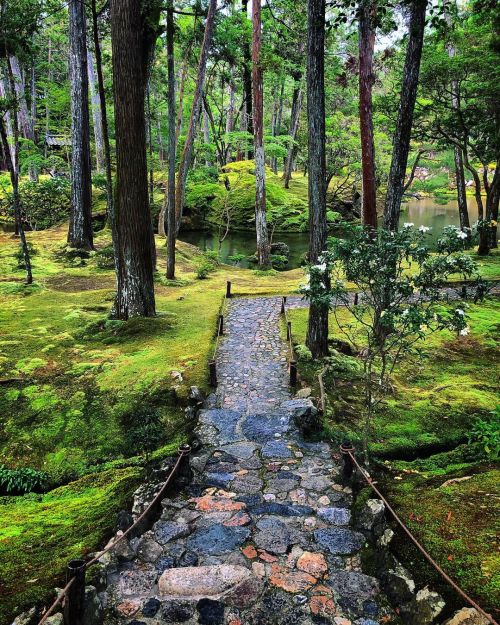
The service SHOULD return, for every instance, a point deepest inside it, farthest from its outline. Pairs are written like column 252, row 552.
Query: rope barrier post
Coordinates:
column 228, row 289
column 293, row 372
column 356, row 298
column 221, row 325
column 346, row 449
column 283, row 300
column 184, row 471
column 213, row 373
column 75, row 596
column 288, row 330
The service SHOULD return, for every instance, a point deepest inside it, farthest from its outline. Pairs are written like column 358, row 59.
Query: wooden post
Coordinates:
column 356, row 297
column 293, row 372
column 348, row 464
column 75, row 596
column 213, row 373
column 228, row 289
column 288, row 330
column 282, row 305
column 221, row 325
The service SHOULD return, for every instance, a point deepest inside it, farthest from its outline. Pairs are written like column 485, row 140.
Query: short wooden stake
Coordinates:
column 213, row 373
column 348, row 464
column 293, row 372
column 75, row 597
column 288, row 330
column 221, row 325
column 356, row 297
column 282, row 305
column 228, row 289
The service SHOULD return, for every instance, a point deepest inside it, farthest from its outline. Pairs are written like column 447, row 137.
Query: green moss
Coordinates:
column 39, row 534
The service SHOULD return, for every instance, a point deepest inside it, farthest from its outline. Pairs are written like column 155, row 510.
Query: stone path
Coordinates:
column 262, row 536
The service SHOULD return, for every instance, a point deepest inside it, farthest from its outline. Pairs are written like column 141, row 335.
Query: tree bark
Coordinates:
column 294, row 127
column 172, row 145
column 367, row 16
column 133, row 35
column 263, row 250
column 182, row 87
column 206, row 134
column 8, row 120
column 11, row 155
column 96, row 114
column 402, row 134
column 230, row 113
column 247, row 81
column 488, row 233
column 104, row 115
column 80, row 225
column 317, row 325
column 185, row 160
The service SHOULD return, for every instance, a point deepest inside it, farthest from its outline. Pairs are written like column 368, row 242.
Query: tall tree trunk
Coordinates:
column 294, row 127
column 230, row 113
column 25, row 122
column 8, row 121
column 150, row 148
column 247, row 80
column 133, row 35
column 186, row 156
column 80, row 225
column 96, row 114
column 488, row 232
column 276, row 125
column 182, row 87
column 206, row 135
column 104, row 114
column 11, row 154
column 46, row 96
column 317, row 325
column 367, row 17
column 402, row 134
column 263, row 250
column 172, row 144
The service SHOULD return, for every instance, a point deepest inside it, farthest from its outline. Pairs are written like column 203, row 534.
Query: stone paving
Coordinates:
column 263, row 535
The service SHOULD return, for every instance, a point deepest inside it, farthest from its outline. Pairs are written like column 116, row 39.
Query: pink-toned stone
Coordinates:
column 249, row 551
column 313, row 563
column 324, row 606
column 240, row 518
column 291, row 581
column 196, row 582
column 208, row 503
column 267, row 557
column 128, row 608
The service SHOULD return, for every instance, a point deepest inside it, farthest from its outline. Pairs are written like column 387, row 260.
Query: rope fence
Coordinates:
column 292, row 361
column 347, row 450
column 73, row 592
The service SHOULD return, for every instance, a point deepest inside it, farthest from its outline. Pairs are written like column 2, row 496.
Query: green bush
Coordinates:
column 44, row 204
column 487, row 433
column 105, row 258
column 144, row 430
column 21, row 481
column 204, row 265
column 279, row 262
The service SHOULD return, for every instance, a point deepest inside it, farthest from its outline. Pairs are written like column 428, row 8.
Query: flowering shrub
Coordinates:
column 400, row 288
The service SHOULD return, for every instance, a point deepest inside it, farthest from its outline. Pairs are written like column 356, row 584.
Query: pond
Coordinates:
column 425, row 212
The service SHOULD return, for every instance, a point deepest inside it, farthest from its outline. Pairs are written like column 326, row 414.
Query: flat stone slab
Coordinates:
column 225, row 421
column 281, row 509
column 217, row 539
column 354, row 585
column 339, row 540
column 335, row 516
column 197, row 582
column 273, row 535
column 261, row 428
column 242, row 450
column 276, row 449
column 165, row 531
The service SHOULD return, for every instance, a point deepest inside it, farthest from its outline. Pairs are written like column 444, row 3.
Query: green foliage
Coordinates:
column 487, row 432
column 21, row 481
column 44, row 203
column 205, row 264
column 19, row 256
column 105, row 258
column 144, row 430
column 303, row 353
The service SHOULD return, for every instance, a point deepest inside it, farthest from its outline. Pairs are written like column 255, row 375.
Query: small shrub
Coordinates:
column 144, row 431
column 105, row 258
column 203, row 266
column 21, row 481
column 279, row 262
column 237, row 258
column 487, row 433
column 303, row 353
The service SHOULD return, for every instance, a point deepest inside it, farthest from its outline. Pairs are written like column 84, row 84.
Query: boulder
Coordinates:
column 202, row 581
column 304, row 393
column 93, row 610
column 304, row 414
column 195, row 395
column 467, row 616
column 371, row 517
column 26, row 618
column 280, row 248
column 57, row 619
column 423, row 609
column 398, row 584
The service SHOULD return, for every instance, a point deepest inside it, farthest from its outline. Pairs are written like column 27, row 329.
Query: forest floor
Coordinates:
column 73, row 381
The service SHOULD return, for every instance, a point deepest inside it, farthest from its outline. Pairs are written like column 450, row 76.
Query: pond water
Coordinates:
column 425, row 212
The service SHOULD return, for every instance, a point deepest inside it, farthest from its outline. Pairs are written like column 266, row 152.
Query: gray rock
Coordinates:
column 304, row 393
column 339, row 540
column 148, row 550
column 225, row 422
column 354, row 585
column 467, row 616
column 26, row 618
column 217, row 539
column 242, row 450
column 335, row 516
column 177, row 611
column 123, row 550
column 137, row 583
column 248, row 484
column 281, row 509
column 304, row 414
column 262, row 428
column 124, row 520
column 276, row 449
column 195, row 395
column 398, row 584
column 93, row 611
column 57, row 619
column 273, row 535
column 371, row 517
column 165, row 531
column 423, row 609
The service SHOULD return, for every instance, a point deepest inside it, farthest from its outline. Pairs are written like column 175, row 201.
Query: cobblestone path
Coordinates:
column 263, row 534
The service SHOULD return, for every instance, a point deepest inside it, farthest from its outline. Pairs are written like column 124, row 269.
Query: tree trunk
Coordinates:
column 8, row 121
column 182, row 87
column 488, row 232
column 80, row 225
column 46, row 95
column 206, row 135
column 96, row 114
column 367, row 16
column 172, row 144
column 258, row 128
column 133, row 35
column 230, row 113
column 294, row 127
column 402, row 134
column 247, row 80
column 317, row 325
column 187, row 153
column 104, row 115
column 12, row 166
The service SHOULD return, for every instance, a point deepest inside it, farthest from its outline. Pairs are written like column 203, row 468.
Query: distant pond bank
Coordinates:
column 424, row 212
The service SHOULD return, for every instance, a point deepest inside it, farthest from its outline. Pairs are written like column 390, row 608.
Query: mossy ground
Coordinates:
column 434, row 403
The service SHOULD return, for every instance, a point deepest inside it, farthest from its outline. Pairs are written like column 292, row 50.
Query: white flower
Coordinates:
column 305, row 287
column 372, row 281
column 408, row 225
column 424, row 229
column 459, row 311
column 465, row 331
column 405, row 312
column 321, row 267
column 461, row 234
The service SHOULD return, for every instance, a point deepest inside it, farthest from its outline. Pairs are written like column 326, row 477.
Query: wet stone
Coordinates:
column 339, row 541
column 151, row 607
column 260, row 428
column 273, row 535
column 281, row 509
column 335, row 516
column 165, row 531
column 225, row 421
column 219, row 480
column 217, row 539
column 242, row 450
column 276, row 449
